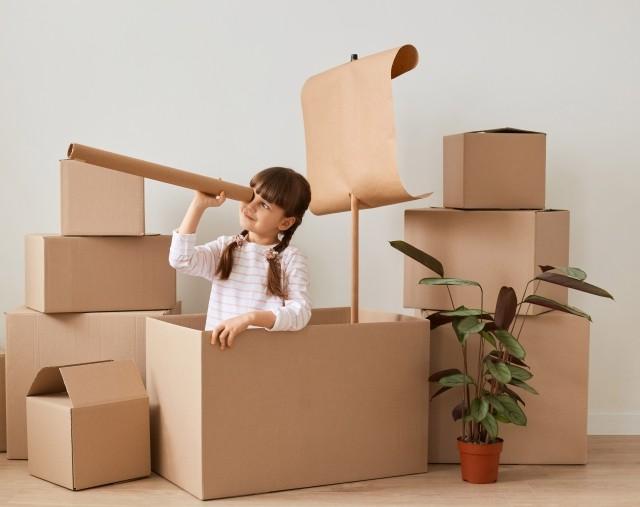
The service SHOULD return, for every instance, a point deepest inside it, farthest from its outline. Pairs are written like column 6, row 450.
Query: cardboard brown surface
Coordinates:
column 494, row 248
column 331, row 403
column 350, row 132
column 499, row 168
column 557, row 348
column 158, row 172
column 3, row 405
column 94, row 432
column 95, row 201
column 92, row 274
column 36, row 340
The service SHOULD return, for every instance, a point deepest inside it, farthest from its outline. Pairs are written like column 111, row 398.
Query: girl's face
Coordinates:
column 263, row 218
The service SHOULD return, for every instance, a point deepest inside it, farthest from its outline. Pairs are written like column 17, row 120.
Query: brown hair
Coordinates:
column 289, row 190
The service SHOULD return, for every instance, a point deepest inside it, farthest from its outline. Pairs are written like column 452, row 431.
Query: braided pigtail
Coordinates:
column 274, row 276
column 223, row 270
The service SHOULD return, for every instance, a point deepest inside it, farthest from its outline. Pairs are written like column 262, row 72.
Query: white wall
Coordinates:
column 214, row 87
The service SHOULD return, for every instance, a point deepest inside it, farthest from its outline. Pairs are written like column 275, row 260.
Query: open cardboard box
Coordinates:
column 499, row 168
column 88, row 424
column 334, row 402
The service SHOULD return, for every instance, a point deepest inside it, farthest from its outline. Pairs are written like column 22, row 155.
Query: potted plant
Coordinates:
column 490, row 397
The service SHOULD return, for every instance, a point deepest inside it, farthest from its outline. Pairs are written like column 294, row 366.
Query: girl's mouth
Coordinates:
column 247, row 216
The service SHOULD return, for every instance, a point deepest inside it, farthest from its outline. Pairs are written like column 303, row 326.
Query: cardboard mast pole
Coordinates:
column 355, row 249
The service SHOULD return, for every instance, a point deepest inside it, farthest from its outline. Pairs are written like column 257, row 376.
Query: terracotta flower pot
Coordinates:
column 479, row 462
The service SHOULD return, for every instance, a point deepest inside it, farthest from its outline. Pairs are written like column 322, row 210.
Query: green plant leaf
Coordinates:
column 519, row 373
column 510, row 358
column 489, row 337
column 457, row 379
column 466, row 326
column 576, row 273
column 572, row 283
column 434, row 377
column 479, row 409
column 513, row 410
column 418, row 255
column 502, row 417
column 510, row 343
column 459, row 411
column 506, row 306
column 523, row 385
column 448, row 281
column 437, row 319
column 554, row 305
column 463, row 311
column 513, row 395
column 443, row 389
column 490, row 424
column 494, row 402
column 499, row 371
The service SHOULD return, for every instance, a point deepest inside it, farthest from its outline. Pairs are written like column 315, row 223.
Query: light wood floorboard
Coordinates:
column 612, row 478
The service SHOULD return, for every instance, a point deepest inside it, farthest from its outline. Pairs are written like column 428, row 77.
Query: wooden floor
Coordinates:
column 612, row 478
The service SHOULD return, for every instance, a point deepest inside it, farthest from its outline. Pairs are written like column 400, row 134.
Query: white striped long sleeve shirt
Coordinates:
column 246, row 288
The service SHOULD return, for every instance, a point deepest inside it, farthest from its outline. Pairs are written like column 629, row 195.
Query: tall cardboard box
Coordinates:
column 500, row 168
column 88, row 424
column 95, row 201
column 36, row 340
column 494, row 248
column 3, row 405
column 94, row 274
column 557, row 346
column 334, row 402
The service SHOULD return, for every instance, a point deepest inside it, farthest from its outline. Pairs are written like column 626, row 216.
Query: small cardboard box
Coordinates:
column 494, row 248
column 557, row 347
column 3, row 406
column 95, row 274
column 334, row 402
column 500, row 169
column 95, row 201
column 36, row 340
column 88, row 424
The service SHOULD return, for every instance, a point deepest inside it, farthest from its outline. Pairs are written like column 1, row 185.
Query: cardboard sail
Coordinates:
column 158, row 172
column 350, row 133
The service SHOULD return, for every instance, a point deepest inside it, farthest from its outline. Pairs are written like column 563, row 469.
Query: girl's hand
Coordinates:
column 227, row 330
column 204, row 201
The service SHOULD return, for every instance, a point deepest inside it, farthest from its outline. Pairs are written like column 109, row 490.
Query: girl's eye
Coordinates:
column 265, row 205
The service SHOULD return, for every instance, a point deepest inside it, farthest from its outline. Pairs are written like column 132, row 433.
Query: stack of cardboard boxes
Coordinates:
column 88, row 291
column 494, row 229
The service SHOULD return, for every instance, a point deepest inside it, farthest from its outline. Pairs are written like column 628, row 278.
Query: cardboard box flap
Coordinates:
column 49, row 380
column 505, row 130
column 105, row 382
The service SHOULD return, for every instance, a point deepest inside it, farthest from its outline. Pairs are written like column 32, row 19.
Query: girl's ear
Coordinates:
column 286, row 223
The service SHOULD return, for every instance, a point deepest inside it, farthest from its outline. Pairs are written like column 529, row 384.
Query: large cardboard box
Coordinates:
column 500, row 168
column 3, row 405
column 334, row 402
column 88, row 424
column 36, row 340
column 94, row 274
column 557, row 348
column 95, row 201
column 494, row 248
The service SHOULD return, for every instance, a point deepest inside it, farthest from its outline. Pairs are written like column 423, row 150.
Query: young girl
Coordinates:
column 258, row 279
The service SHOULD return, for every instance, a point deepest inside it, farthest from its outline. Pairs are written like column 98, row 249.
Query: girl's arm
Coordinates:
column 184, row 255
column 199, row 204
